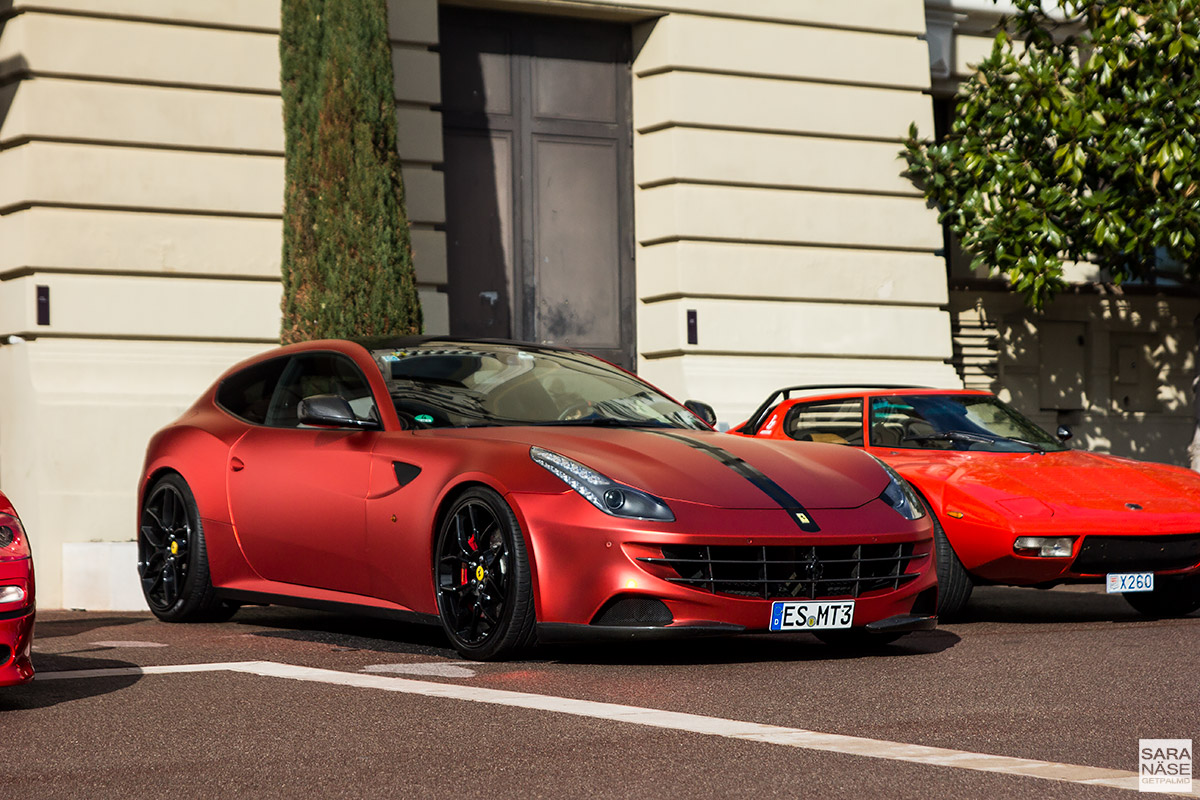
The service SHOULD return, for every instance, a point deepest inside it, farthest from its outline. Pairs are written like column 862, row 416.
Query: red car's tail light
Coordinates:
column 13, row 544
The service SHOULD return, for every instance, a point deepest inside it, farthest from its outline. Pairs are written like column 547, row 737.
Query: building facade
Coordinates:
column 708, row 191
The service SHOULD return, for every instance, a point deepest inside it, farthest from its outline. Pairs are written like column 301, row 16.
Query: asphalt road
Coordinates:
column 311, row 705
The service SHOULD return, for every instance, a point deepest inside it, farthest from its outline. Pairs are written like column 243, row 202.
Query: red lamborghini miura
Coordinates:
column 1011, row 504
column 16, row 598
column 516, row 493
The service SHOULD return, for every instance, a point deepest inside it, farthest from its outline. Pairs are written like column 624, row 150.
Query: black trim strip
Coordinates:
column 266, row 599
column 769, row 487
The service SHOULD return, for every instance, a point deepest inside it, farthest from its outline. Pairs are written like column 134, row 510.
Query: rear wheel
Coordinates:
column 484, row 587
column 173, row 559
column 1172, row 597
column 954, row 584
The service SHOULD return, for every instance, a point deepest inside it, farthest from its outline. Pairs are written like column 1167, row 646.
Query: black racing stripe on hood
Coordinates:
column 769, row 487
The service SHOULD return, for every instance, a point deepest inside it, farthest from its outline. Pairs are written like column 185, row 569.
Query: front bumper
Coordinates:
column 585, row 561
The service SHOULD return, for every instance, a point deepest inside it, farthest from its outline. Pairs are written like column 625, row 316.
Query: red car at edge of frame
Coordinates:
column 16, row 598
column 1012, row 505
column 514, row 494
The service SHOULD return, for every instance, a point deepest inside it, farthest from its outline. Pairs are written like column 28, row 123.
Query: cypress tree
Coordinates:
column 347, row 255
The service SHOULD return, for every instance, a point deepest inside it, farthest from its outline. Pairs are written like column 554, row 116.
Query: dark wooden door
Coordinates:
column 539, row 186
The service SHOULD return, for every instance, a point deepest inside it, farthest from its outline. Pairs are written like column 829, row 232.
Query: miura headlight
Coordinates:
column 611, row 497
column 900, row 496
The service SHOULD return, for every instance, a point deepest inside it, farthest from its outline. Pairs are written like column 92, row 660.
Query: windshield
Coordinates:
column 467, row 385
column 955, row 422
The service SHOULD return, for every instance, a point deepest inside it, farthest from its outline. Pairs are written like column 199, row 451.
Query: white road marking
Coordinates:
column 434, row 668
column 693, row 723
column 127, row 644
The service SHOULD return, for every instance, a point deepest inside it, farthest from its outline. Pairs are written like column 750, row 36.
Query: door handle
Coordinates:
column 236, row 464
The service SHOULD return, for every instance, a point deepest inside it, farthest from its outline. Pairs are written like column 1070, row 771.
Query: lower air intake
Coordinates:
column 640, row 612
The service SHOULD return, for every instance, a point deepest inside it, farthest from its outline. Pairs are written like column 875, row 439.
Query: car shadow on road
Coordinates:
column 47, row 690
column 1041, row 606
column 50, row 629
column 746, row 649
column 344, row 631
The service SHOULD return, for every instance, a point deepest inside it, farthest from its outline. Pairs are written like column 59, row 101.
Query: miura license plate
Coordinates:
column 811, row 615
column 1129, row 582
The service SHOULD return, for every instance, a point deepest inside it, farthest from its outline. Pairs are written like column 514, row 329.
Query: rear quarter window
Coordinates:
column 246, row 394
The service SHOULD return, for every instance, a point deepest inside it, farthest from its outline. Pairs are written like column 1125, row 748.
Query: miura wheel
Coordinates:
column 172, row 559
column 481, row 571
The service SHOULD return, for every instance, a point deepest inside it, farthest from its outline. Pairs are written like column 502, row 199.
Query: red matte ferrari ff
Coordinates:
column 16, row 598
column 515, row 493
column 1011, row 504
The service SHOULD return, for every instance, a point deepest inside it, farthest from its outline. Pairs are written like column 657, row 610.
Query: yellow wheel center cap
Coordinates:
column 174, row 548
column 479, row 573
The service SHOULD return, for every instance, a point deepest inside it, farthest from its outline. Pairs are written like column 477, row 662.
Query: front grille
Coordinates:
column 1100, row 554
column 781, row 571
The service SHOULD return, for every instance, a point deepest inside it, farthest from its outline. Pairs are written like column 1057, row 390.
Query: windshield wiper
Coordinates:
column 976, row 438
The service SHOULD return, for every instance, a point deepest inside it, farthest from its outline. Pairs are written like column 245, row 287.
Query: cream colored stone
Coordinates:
column 44, row 108
column 56, row 44
column 419, row 134
column 755, row 327
column 736, row 384
column 785, row 216
column 260, row 14
column 429, row 256
column 424, row 194
column 413, row 21
column 898, row 16
column 417, row 73
column 722, row 269
column 183, row 308
column 969, row 50
column 761, row 159
column 56, row 172
column 745, row 47
column 726, row 101
column 139, row 241
column 102, row 575
column 435, row 308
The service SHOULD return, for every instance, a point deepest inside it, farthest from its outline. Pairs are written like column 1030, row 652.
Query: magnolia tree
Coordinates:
column 347, row 257
column 1076, row 140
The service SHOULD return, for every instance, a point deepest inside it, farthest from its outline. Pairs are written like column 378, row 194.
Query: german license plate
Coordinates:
column 811, row 615
column 1130, row 582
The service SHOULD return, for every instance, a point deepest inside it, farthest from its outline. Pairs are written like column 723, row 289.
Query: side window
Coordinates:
column 320, row 373
column 247, row 394
column 833, row 421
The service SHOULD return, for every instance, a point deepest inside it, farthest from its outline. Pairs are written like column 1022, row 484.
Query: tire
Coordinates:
column 954, row 584
column 856, row 638
column 482, row 578
column 1172, row 597
column 173, row 559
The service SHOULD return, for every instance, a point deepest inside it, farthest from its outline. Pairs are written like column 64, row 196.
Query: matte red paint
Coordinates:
column 317, row 514
column 16, row 619
column 1073, row 493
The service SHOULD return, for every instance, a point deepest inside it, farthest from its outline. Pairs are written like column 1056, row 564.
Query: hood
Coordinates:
column 694, row 466
column 1070, row 480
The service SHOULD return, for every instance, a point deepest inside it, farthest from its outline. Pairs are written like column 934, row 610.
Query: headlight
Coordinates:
column 900, row 496
column 611, row 497
column 13, row 545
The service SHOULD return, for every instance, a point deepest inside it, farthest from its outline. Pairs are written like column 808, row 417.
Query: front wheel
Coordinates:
column 954, row 584
column 173, row 559
column 1172, row 597
column 482, row 577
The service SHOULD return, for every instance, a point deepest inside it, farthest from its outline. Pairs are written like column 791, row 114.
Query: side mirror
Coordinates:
column 329, row 410
column 702, row 410
column 1064, row 433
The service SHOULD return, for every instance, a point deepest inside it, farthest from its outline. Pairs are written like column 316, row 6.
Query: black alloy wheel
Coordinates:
column 484, row 589
column 172, row 559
